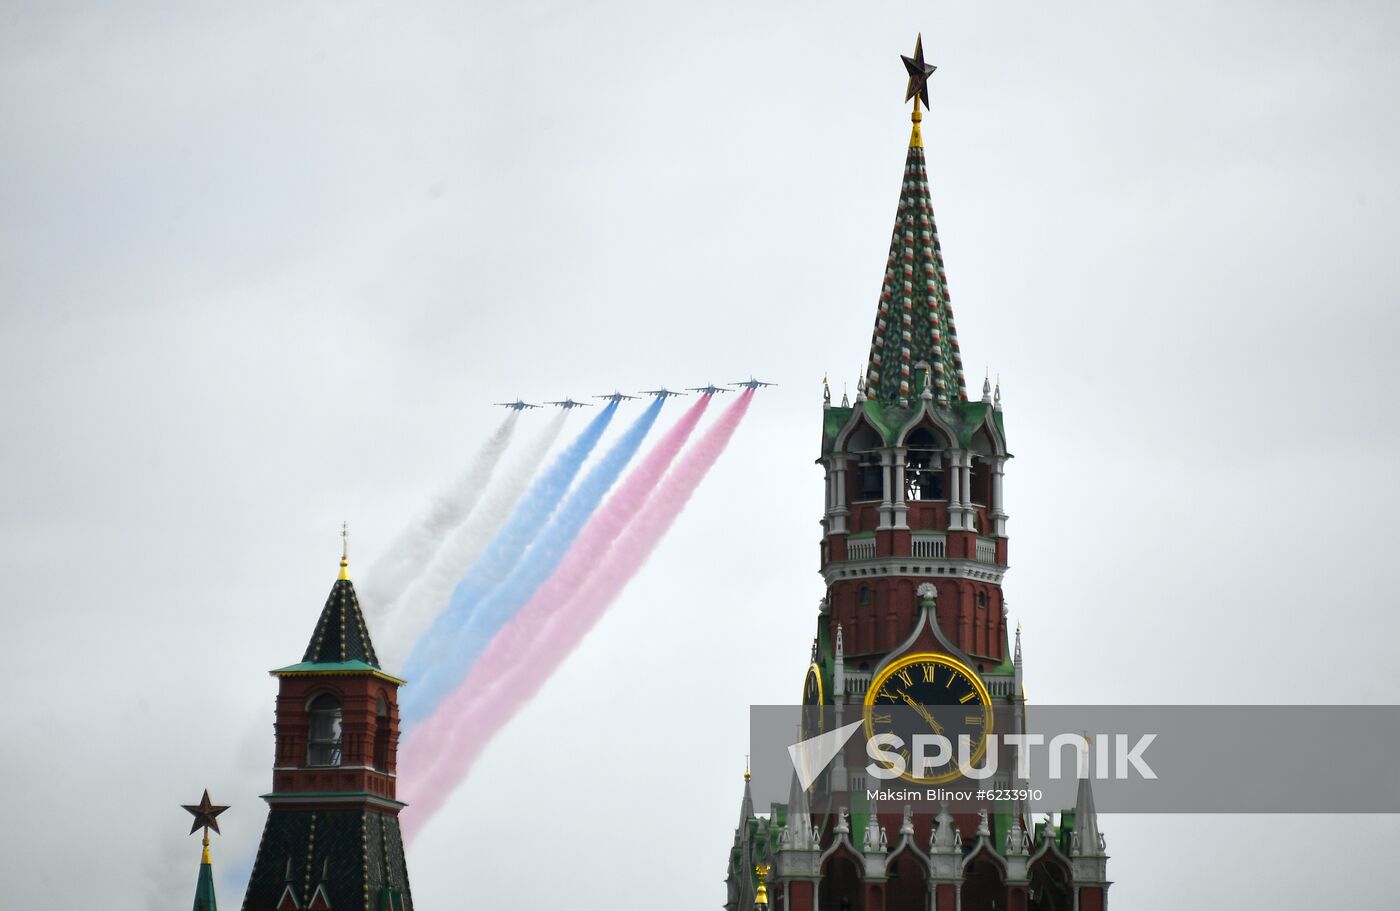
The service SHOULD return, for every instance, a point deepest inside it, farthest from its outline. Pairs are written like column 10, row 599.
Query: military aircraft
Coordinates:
column 615, row 397
column 663, row 392
column 570, row 403
column 517, row 405
column 710, row 389
column 752, row 383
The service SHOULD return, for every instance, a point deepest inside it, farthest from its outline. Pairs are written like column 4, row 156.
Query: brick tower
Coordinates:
column 332, row 837
column 913, row 553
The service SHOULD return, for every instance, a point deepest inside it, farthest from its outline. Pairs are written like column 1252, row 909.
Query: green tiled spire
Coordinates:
column 204, row 887
column 914, row 323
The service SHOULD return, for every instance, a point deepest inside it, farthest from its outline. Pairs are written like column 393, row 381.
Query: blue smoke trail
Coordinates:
column 500, row 556
column 534, row 567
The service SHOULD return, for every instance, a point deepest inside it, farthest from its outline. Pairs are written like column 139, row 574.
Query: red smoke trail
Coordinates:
column 466, row 721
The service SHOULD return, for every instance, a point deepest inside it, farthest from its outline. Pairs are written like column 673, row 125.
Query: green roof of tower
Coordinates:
column 204, row 899
column 914, row 322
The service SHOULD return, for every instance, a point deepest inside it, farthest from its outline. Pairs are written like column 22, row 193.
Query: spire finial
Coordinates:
column 760, row 898
column 345, row 550
column 917, row 88
column 748, row 773
column 826, row 391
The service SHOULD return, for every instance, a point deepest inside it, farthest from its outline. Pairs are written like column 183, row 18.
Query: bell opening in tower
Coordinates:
column 923, row 467
column 323, row 746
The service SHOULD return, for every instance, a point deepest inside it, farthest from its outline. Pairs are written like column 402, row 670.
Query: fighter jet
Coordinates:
column 570, row 403
column 752, row 383
column 615, row 397
column 710, row 389
column 517, row 405
column 663, row 392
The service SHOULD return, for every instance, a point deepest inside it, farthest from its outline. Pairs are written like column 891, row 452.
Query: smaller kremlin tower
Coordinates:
column 205, row 817
column 332, row 838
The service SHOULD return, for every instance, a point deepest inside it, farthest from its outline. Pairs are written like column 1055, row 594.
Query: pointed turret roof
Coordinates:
column 1086, row 838
column 799, row 817
column 340, row 643
column 914, row 322
column 341, row 635
column 746, row 805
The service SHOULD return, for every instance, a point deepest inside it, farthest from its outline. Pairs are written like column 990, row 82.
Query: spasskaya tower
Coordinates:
column 913, row 553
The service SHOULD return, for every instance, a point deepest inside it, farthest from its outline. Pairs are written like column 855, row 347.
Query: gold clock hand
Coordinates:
column 923, row 712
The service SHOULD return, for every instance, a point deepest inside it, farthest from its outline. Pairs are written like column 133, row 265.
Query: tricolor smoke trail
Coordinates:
column 414, row 548
column 465, row 723
column 500, row 556
column 426, row 596
column 518, row 638
column 545, row 552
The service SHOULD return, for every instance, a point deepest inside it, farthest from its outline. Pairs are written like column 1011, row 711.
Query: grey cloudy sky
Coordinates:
column 263, row 266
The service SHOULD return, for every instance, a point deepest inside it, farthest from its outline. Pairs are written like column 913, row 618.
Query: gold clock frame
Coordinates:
column 813, row 670
column 984, row 697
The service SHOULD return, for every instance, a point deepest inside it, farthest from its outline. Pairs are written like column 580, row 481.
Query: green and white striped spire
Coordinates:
column 914, row 324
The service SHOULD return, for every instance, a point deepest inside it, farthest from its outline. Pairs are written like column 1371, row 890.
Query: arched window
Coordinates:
column 865, row 444
column 864, row 596
column 323, row 746
column 980, row 483
column 381, row 734
column 923, row 471
column 871, row 477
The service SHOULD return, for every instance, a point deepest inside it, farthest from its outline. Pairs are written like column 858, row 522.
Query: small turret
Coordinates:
column 1087, row 854
column 205, row 817
column 798, row 833
column 746, row 804
column 839, row 674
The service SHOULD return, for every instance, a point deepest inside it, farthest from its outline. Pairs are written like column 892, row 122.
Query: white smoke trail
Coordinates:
column 415, row 547
column 413, row 612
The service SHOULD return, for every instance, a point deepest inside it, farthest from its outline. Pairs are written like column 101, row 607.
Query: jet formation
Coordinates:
column 619, row 397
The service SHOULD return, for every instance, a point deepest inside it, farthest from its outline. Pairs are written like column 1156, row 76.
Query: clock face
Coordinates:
column 928, row 693
column 813, row 700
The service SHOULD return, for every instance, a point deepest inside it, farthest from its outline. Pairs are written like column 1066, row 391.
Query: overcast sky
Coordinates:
column 264, row 266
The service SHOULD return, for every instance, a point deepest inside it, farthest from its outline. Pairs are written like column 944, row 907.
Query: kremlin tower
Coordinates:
column 332, row 838
column 913, row 553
